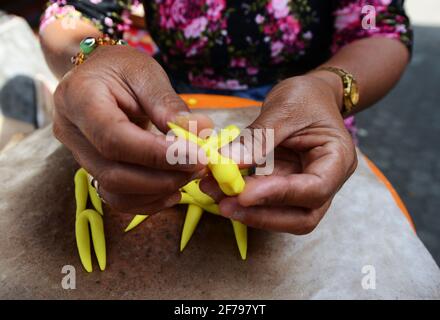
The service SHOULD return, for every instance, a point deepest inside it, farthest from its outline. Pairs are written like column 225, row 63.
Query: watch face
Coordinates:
column 354, row 94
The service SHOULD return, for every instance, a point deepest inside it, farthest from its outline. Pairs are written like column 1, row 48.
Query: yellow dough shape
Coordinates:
column 225, row 172
column 193, row 215
column 137, row 220
column 192, row 218
column 88, row 217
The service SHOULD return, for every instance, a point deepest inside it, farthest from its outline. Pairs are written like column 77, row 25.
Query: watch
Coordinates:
column 351, row 89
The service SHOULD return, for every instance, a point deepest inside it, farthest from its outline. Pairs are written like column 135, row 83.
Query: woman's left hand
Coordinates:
column 314, row 156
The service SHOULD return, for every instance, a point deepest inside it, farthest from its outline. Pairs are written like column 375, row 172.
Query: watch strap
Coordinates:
column 347, row 82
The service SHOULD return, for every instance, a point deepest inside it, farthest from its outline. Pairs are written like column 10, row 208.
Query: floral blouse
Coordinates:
column 239, row 44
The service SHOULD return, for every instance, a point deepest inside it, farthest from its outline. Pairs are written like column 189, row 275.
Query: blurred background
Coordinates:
column 401, row 134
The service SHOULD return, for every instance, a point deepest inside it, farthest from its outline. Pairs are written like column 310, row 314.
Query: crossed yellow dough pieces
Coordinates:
column 86, row 217
column 224, row 170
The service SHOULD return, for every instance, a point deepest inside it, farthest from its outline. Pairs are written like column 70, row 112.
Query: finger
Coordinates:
column 320, row 180
column 118, row 139
column 268, row 131
column 321, row 142
column 120, row 177
column 196, row 123
column 210, row 186
column 276, row 218
column 157, row 97
column 255, row 142
column 139, row 204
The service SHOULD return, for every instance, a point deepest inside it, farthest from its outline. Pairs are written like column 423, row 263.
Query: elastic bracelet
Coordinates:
column 89, row 44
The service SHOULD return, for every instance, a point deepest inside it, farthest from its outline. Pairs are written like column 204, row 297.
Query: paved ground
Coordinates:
column 402, row 136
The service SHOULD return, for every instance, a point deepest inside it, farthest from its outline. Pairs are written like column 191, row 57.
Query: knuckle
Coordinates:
column 310, row 223
column 154, row 159
column 354, row 163
column 156, row 155
column 105, row 142
column 108, row 179
column 58, row 95
column 323, row 193
column 58, row 131
column 63, row 89
column 169, row 99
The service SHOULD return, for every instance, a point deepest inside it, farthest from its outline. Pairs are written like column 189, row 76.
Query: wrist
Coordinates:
column 334, row 82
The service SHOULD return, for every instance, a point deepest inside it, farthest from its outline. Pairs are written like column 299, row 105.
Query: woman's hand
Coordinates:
column 314, row 156
column 102, row 108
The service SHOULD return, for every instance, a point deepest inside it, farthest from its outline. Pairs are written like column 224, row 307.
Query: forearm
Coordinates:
column 376, row 63
column 60, row 41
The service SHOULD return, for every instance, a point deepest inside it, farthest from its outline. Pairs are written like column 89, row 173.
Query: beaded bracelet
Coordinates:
column 89, row 44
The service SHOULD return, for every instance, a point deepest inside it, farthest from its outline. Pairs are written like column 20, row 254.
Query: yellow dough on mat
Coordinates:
column 224, row 170
column 88, row 221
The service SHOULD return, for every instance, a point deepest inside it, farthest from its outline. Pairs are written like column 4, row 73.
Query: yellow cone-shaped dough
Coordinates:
column 186, row 198
column 224, row 170
column 193, row 189
column 192, row 218
column 240, row 231
column 227, row 174
column 96, row 201
column 81, row 190
column 185, row 134
column 94, row 219
column 136, row 221
column 227, row 135
column 211, row 208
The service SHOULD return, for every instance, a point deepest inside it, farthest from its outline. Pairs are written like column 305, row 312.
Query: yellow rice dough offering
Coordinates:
column 224, row 170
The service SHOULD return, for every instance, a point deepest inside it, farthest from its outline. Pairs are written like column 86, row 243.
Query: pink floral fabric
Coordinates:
column 240, row 44
column 110, row 17
column 390, row 22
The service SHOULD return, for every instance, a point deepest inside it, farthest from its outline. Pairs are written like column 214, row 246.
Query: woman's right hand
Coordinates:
column 102, row 107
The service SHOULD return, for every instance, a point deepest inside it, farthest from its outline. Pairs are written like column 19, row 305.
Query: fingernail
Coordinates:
column 183, row 114
column 182, row 119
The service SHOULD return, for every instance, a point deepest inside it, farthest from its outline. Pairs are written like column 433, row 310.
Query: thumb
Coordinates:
column 167, row 106
column 152, row 89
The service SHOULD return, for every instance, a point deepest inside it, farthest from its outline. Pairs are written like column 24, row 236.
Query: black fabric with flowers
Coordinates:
column 237, row 44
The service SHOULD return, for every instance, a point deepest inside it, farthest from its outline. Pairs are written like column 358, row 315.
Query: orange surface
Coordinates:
column 206, row 101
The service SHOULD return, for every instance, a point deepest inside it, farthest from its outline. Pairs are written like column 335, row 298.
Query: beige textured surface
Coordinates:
column 363, row 227
column 21, row 55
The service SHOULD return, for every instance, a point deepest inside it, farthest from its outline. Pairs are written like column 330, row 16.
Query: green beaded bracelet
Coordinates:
column 87, row 45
